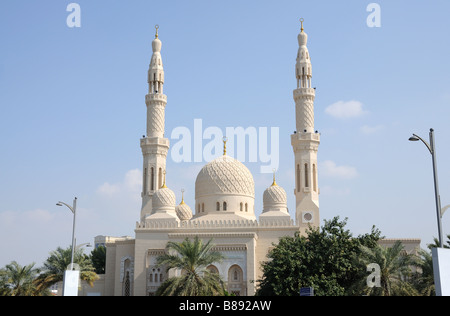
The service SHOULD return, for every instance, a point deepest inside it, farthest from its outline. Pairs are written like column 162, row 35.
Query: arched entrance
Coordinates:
column 236, row 283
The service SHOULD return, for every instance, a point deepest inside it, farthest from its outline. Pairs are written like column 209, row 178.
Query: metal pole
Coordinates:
column 74, row 209
column 436, row 189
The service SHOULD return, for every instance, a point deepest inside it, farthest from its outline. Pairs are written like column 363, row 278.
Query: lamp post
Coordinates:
column 445, row 208
column 432, row 150
column 73, row 209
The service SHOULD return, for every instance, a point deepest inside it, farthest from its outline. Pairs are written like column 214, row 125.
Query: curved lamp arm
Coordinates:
column 444, row 209
column 62, row 203
column 416, row 138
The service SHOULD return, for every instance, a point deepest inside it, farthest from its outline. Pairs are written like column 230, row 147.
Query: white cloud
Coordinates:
column 330, row 169
column 133, row 180
column 108, row 189
column 366, row 129
column 131, row 184
column 345, row 109
column 7, row 218
column 39, row 216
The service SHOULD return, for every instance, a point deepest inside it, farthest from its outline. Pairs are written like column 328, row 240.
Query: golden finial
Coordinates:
column 182, row 197
column 301, row 21
column 225, row 139
column 156, row 27
column 164, row 184
column 274, row 182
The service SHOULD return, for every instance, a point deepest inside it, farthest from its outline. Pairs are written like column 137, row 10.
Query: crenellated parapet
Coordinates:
column 215, row 224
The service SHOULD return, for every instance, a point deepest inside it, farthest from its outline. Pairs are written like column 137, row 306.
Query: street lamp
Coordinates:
column 73, row 209
column 432, row 150
column 445, row 208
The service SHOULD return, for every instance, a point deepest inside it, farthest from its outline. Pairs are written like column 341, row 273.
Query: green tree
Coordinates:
column 395, row 270
column 192, row 258
column 98, row 257
column 17, row 280
column 424, row 281
column 57, row 263
column 436, row 243
column 323, row 259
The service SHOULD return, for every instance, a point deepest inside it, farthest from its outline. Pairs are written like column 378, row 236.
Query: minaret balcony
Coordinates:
column 305, row 136
column 304, row 91
column 154, row 141
column 155, row 97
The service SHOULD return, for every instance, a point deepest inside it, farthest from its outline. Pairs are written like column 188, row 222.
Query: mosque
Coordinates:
column 224, row 207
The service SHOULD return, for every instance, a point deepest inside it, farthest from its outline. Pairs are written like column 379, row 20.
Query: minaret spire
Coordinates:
column 274, row 182
column 164, row 183
column 182, row 197
column 224, row 139
column 154, row 145
column 305, row 141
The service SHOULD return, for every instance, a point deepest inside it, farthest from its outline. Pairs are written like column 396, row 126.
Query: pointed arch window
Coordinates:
column 224, row 206
column 127, row 285
column 145, row 181
column 218, row 206
column 314, row 178
column 306, row 176
column 298, row 178
column 152, row 179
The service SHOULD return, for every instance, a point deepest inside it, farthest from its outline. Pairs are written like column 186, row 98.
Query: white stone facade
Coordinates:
column 224, row 207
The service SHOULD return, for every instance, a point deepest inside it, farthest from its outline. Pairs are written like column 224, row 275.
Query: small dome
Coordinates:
column 274, row 196
column 302, row 39
column 183, row 211
column 156, row 45
column 164, row 198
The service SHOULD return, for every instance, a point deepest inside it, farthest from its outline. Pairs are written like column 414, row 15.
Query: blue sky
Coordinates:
column 72, row 108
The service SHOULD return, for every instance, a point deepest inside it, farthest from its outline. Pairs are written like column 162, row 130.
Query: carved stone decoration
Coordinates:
column 274, row 195
column 224, row 175
column 162, row 198
column 126, row 268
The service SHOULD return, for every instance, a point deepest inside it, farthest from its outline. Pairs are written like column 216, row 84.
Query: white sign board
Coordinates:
column 441, row 269
column 71, row 283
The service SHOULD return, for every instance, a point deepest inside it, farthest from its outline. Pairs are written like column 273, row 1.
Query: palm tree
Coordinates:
column 192, row 258
column 436, row 244
column 424, row 281
column 17, row 280
column 395, row 269
column 57, row 263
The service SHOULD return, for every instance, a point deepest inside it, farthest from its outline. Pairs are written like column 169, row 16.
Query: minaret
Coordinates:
column 305, row 141
column 154, row 146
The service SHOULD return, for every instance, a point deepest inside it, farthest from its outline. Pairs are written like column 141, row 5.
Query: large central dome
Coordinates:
column 225, row 187
column 224, row 175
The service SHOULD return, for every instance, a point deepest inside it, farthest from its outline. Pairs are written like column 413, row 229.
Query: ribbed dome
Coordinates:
column 183, row 211
column 163, row 198
column 274, row 195
column 224, row 175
